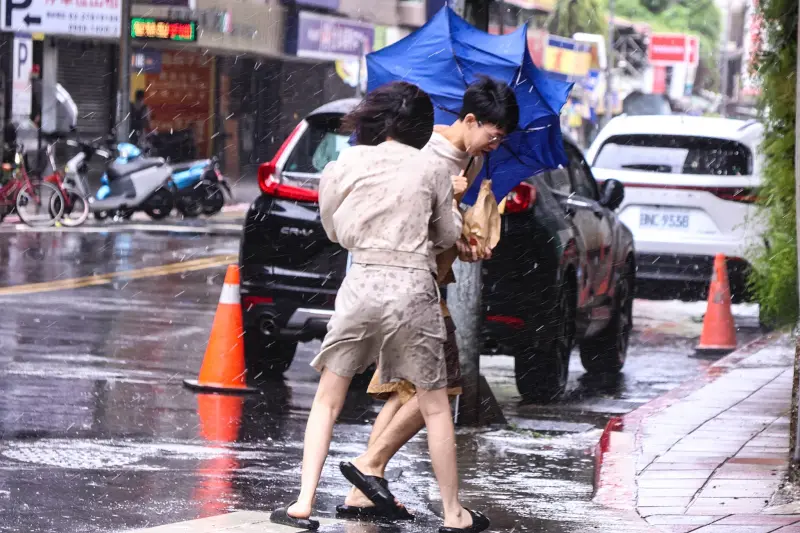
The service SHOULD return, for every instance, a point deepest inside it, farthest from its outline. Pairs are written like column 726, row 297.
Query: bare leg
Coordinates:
column 385, row 442
column 390, row 408
column 404, row 425
column 327, row 405
column 442, row 445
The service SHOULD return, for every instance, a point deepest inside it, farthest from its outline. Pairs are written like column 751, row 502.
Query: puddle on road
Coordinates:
column 517, row 475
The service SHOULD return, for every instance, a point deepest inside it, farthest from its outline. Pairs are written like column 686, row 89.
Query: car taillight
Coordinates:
column 745, row 196
column 250, row 301
column 270, row 184
column 521, row 198
column 511, row 321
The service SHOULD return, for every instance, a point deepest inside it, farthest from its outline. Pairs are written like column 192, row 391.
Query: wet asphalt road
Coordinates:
column 97, row 433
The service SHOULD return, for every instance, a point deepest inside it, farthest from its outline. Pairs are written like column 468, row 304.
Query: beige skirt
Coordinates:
column 390, row 314
column 405, row 390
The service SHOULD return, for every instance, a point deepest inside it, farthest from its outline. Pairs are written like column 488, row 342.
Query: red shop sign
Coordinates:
column 672, row 48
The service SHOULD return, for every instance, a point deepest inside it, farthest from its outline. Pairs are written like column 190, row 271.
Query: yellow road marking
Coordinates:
column 104, row 279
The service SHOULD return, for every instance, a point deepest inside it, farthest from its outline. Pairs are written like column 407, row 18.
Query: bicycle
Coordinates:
column 75, row 205
column 30, row 199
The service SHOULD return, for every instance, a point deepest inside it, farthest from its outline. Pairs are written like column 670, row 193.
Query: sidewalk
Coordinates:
column 708, row 456
column 228, row 222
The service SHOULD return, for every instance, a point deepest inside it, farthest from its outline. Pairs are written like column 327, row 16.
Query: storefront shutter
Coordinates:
column 87, row 71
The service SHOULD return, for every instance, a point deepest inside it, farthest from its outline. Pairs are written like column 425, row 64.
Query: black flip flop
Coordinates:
column 353, row 512
column 281, row 516
column 376, row 489
column 479, row 523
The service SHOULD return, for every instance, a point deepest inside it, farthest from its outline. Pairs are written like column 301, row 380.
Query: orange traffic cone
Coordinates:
column 223, row 368
column 719, row 330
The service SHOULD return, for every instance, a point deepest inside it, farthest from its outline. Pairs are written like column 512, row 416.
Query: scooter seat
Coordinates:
column 120, row 170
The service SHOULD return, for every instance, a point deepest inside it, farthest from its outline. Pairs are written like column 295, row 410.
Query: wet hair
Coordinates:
column 492, row 102
column 140, row 95
column 399, row 110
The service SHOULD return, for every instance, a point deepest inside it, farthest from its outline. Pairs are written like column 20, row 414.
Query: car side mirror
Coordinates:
column 612, row 194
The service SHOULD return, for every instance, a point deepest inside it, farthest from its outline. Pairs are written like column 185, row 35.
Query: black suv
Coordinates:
column 562, row 273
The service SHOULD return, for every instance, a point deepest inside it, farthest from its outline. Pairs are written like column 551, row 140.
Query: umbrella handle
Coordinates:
column 469, row 165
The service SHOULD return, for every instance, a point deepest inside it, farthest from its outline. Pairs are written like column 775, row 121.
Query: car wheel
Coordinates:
column 266, row 358
column 606, row 352
column 542, row 368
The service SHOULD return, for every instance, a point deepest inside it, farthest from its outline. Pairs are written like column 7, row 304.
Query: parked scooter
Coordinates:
column 134, row 183
column 199, row 188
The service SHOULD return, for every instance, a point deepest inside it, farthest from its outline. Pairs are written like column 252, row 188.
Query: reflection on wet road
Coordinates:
column 97, row 433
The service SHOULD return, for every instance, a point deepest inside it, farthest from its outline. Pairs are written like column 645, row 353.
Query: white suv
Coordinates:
column 690, row 187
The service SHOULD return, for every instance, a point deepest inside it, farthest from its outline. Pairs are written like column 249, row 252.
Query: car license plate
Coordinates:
column 666, row 220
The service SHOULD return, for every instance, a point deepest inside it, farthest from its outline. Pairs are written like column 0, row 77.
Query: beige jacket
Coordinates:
column 391, row 204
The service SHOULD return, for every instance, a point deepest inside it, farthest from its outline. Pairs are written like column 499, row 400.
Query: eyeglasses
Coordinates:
column 493, row 138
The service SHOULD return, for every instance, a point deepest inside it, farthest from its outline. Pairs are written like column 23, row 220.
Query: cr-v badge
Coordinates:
column 288, row 230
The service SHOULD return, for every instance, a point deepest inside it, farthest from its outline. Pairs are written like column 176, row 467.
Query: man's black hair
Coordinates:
column 492, row 102
column 139, row 95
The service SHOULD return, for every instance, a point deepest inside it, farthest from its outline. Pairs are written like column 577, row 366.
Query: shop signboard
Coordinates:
column 568, row 58
column 21, row 80
column 163, row 30
column 76, row 18
column 332, row 38
column 666, row 49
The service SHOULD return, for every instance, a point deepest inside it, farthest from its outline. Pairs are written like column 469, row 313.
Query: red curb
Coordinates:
column 606, row 476
column 614, row 424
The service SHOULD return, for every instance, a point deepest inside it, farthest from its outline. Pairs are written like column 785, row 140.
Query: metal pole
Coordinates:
column 477, row 404
column 610, row 63
column 124, row 89
column 502, row 17
column 797, row 215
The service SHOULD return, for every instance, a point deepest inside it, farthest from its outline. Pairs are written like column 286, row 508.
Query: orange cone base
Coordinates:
column 194, row 385
column 715, row 350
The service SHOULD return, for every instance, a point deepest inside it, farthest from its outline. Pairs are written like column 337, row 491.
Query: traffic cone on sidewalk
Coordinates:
column 223, row 368
column 719, row 330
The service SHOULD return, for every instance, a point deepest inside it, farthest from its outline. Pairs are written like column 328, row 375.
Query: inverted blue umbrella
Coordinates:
column 446, row 55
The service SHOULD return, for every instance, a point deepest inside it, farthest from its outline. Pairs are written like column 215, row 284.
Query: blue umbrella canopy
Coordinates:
column 446, row 55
